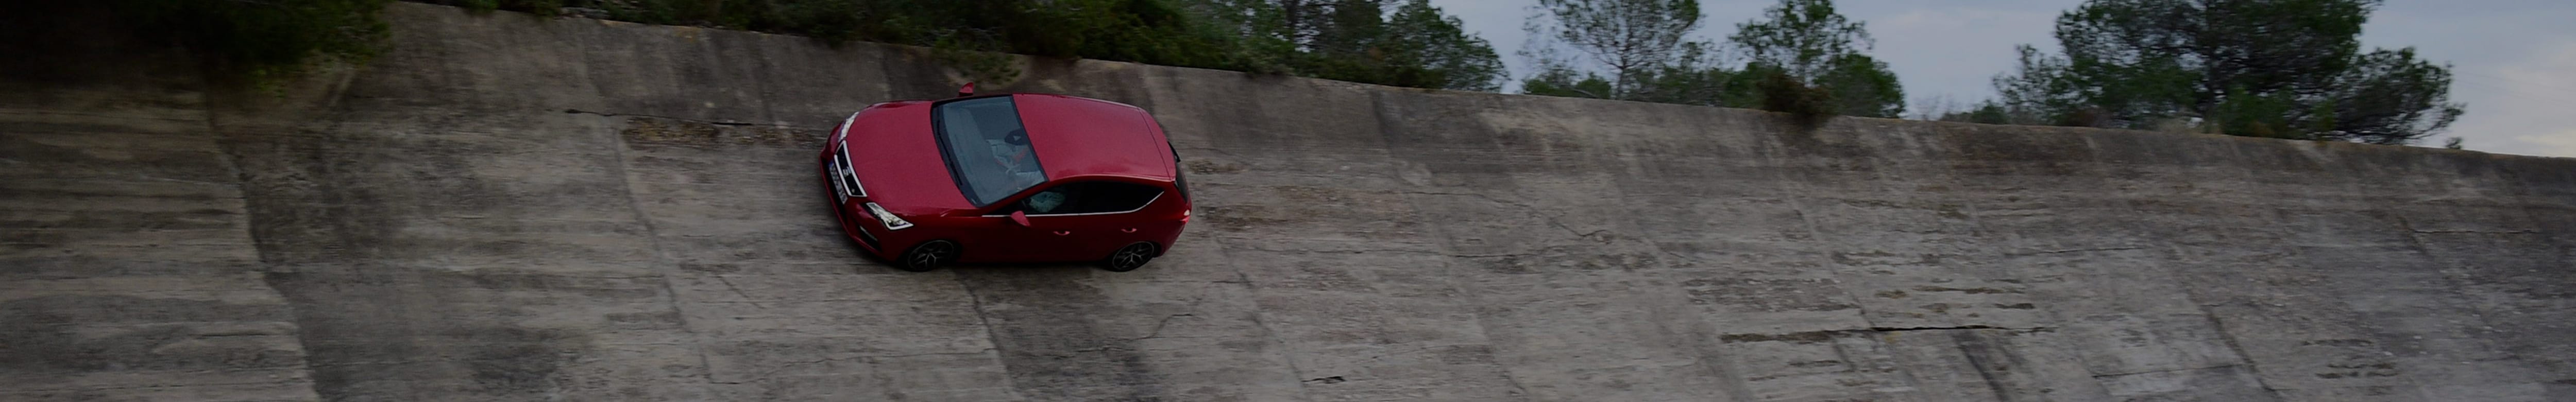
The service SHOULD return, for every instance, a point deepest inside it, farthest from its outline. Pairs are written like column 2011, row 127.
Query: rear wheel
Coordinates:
column 1129, row 258
column 927, row 256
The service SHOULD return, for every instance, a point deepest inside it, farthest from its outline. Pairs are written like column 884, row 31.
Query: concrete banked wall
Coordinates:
column 513, row 208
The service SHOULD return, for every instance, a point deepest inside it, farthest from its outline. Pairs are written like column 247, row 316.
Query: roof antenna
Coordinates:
column 966, row 91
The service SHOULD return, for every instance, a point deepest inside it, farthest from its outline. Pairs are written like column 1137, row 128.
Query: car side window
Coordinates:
column 1089, row 197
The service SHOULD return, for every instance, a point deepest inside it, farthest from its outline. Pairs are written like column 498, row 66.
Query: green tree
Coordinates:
column 1988, row 113
column 1293, row 36
column 1632, row 40
column 2274, row 68
column 1809, row 41
column 1862, row 86
column 1693, row 79
column 1806, row 59
column 2387, row 97
column 2042, row 91
column 1802, row 36
column 966, row 34
column 1415, row 45
column 1260, row 35
column 1567, row 83
column 1430, row 50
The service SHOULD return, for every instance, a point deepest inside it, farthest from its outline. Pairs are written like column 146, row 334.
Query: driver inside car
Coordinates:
column 1012, row 152
column 1047, row 201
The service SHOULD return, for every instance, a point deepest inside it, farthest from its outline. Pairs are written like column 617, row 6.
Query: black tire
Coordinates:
column 1130, row 257
column 927, row 256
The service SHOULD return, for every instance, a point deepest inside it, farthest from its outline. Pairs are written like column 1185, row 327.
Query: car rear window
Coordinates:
column 987, row 149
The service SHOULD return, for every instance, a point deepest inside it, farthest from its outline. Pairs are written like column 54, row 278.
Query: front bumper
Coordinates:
column 850, row 220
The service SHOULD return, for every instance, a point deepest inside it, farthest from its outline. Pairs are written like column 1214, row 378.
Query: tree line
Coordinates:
column 1392, row 42
column 2266, row 68
column 2272, row 68
column 1799, row 56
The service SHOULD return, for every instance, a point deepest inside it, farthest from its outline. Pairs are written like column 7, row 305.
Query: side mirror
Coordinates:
column 966, row 91
column 1021, row 218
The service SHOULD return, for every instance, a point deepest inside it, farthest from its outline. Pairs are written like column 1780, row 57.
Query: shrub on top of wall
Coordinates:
column 252, row 41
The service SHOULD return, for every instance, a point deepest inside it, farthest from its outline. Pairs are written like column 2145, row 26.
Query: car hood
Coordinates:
column 897, row 160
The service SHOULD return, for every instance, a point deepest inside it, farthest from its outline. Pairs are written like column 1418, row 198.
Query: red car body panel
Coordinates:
column 893, row 151
column 1081, row 136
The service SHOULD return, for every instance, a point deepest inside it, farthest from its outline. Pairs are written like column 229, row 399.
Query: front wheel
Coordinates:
column 1129, row 258
column 927, row 256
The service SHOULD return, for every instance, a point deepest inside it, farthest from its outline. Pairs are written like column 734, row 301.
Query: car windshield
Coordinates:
column 987, row 150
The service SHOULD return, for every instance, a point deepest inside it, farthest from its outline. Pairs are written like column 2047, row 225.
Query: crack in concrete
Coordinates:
column 1823, row 335
column 1961, row 327
column 1555, row 221
column 189, row 385
column 985, row 320
column 1158, row 326
column 2170, row 370
column 664, row 265
column 1420, row 350
column 773, row 371
column 720, row 123
column 737, row 291
column 2439, row 231
column 2090, row 249
column 1268, row 336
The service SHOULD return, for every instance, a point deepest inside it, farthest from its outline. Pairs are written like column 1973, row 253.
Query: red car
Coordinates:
column 1006, row 178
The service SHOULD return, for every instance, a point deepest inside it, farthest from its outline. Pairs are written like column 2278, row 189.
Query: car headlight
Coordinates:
column 891, row 222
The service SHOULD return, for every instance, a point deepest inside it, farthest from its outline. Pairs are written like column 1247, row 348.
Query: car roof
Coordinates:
column 1076, row 136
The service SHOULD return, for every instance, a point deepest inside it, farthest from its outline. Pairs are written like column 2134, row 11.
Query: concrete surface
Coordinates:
column 506, row 207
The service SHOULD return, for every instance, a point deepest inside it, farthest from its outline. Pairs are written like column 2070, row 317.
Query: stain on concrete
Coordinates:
column 1043, row 330
column 663, row 131
column 428, row 344
column 1805, row 294
column 117, row 333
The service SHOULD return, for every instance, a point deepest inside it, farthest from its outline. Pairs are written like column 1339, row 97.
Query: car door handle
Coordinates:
column 1128, row 230
column 1063, row 232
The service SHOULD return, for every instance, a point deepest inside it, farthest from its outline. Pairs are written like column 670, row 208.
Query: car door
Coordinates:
column 1080, row 220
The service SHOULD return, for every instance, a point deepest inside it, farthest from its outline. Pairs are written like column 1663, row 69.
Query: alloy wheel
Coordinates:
column 929, row 255
column 1131, row 257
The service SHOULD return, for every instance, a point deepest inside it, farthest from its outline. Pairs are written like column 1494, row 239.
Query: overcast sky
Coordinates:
column 2513, row 61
